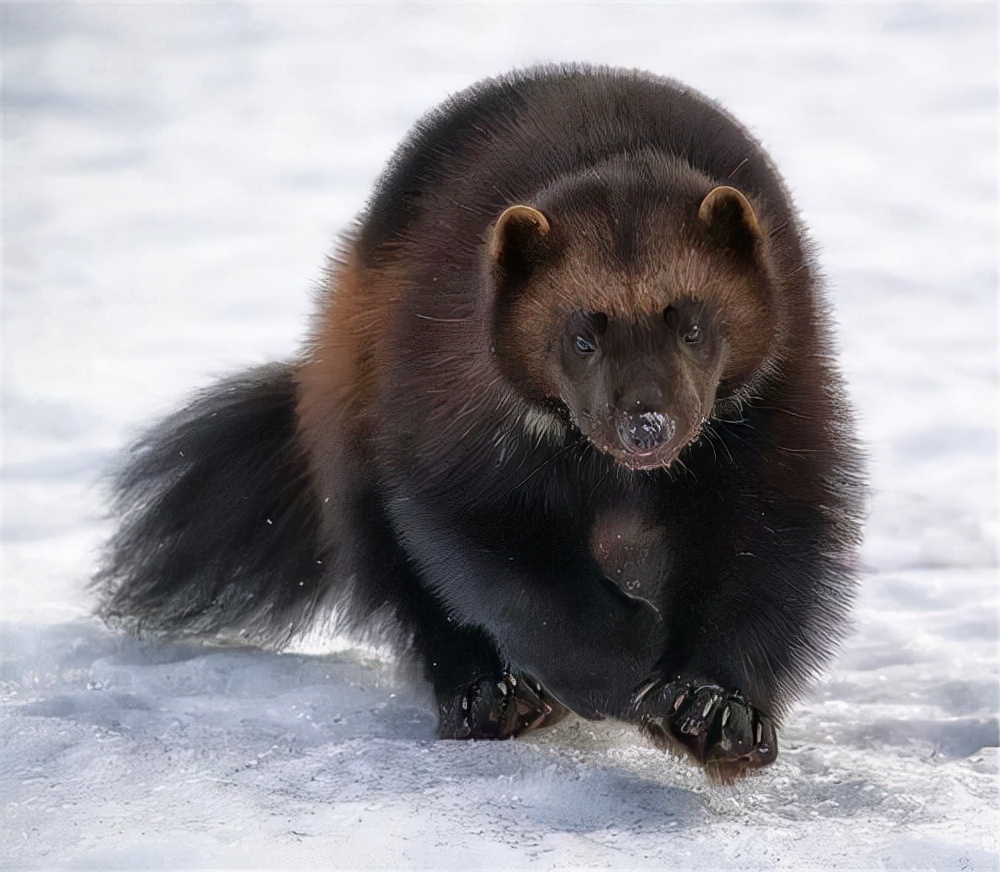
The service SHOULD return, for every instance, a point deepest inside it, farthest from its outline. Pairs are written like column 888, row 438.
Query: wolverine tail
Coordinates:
column 219, row 533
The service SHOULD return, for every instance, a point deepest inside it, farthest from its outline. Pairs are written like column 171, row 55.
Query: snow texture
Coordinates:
column 174, row 175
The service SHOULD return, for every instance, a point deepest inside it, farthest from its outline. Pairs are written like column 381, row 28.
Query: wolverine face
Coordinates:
column 640, row 389
column 634, row 303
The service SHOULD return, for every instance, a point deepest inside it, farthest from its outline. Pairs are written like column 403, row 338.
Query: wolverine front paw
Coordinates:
column 497, row 709
column 715, row 726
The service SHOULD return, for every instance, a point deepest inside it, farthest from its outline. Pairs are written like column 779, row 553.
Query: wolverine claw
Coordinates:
column 715, row 726
column 498, row 709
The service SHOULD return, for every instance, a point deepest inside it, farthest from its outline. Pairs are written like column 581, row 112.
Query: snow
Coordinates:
column 173, row 177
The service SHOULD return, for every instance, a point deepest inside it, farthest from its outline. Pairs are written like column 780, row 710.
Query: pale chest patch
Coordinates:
column 632, row 552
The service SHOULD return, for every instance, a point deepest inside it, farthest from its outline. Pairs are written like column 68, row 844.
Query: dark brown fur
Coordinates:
column 567, row 427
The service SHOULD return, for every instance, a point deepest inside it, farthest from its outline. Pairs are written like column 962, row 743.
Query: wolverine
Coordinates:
column 566, row 429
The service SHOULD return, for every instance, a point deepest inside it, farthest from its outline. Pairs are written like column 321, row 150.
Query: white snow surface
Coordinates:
column 173, row 178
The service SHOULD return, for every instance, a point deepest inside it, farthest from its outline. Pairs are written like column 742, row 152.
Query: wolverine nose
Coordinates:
column 645, row 431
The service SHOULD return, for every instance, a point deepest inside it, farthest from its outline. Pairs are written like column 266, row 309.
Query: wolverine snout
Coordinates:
column 646, row 431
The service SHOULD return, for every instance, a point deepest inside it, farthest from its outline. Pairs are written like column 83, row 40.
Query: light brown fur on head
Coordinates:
column 709, row 248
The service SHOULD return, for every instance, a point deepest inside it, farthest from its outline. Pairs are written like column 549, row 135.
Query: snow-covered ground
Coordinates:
column 173, row 177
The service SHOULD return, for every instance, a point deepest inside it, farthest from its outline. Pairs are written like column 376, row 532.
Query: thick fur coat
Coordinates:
column 567, row 429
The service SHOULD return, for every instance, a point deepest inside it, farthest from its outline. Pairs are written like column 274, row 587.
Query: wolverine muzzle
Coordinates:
column 645, row 432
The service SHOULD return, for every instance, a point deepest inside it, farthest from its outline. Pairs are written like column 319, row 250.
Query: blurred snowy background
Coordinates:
column 173, row 176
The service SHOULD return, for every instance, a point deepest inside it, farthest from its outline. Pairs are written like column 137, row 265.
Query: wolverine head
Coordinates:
column 634, row 302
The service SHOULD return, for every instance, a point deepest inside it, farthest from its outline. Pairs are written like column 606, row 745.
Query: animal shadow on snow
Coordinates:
column 348, row 725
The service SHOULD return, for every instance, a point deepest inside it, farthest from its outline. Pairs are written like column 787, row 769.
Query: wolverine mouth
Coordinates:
column 639, row 461
column 638, row 441
column 644, row 441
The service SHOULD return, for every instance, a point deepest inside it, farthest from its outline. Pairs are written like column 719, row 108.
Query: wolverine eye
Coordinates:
column 583, row 344
column 692, row 335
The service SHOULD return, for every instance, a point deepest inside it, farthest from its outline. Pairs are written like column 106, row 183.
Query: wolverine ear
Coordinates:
column 730, row 219
column 519, row 240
